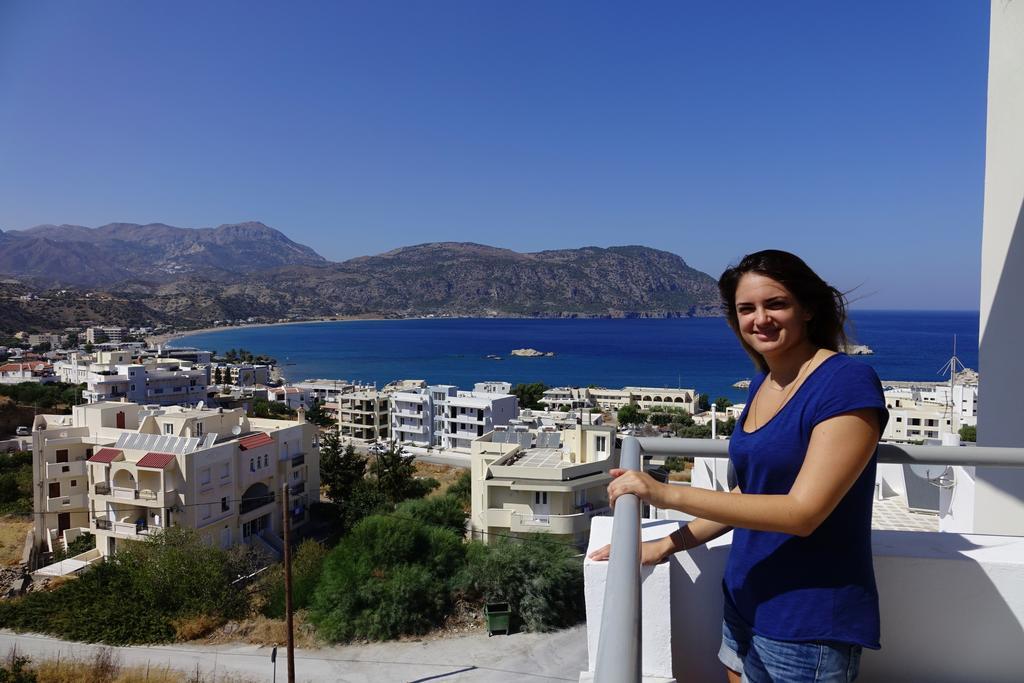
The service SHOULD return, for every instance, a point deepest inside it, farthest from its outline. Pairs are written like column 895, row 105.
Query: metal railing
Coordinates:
column 619, row 642
column 618, row 646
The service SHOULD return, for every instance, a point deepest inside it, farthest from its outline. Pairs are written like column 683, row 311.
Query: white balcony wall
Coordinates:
column 952, row 607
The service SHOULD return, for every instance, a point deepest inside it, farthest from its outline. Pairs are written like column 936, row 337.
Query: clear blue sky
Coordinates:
column 852, row 134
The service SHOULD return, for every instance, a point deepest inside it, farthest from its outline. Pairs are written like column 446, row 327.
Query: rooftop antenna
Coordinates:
column 951, row 368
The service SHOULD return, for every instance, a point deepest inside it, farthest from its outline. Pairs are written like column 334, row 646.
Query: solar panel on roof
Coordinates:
column 499, row 437
column 524, row 439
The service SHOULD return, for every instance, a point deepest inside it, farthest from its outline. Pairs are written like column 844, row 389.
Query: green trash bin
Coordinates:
column 498, row 618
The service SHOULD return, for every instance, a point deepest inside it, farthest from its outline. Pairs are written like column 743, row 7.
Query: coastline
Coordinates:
column 165, row 339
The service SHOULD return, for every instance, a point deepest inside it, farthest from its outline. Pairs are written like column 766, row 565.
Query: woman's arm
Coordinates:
column 839, row 449
column 695, row 533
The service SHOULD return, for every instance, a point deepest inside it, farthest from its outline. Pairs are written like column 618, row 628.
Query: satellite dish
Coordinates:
column 201, row 405
column 236, row 430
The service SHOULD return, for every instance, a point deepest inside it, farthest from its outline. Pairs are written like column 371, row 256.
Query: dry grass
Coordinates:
column 190, row 628
column 105, row 667
column 684, row 475
column 12, row 539
column 260, row 630
column 446, row 474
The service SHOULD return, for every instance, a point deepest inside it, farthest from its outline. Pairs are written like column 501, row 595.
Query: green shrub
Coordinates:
column 461, row 488
column 443, row 511
column 307, row 564
column 542, row 581
column 16, row 483
column 135, row 596
column 389, row 577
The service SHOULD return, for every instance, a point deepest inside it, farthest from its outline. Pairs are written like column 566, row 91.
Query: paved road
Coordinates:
column 519, row 658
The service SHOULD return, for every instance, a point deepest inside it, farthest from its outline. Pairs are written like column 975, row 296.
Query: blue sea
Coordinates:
column 699, row 353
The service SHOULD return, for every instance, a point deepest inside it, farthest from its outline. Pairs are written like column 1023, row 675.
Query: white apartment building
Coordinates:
column 122, row 472
column 469, row 415
column 613, row 399
column 550, row 480
column 29, row 371
column 116, row 376
column 328, row 390
column 443, row 417
column 412, row 417
column 95, row 335
column 363, row 415
column 244, row 374
column 926, row 412
column 292, row 396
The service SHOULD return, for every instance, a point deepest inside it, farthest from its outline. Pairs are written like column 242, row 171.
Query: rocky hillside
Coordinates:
column 118, row 252
column 287, row 280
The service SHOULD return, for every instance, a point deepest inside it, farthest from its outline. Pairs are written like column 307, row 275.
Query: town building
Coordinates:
column 550, row 480
column 244, row 374
column 123, row 471
column 328, row 390
column 112, row 334
column 441, row 416
column 27, row 371
column 929, row 411
column 292, row 396
column 363, row 415
column 54, row 340
column 646, row 398
column 118, row 375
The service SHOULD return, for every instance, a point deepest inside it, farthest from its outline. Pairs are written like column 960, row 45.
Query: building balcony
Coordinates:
column 570, row 524
column 76, row 501
column 411, row 429
column 951, row 604
column 57, row 470
column 409, row 413
column 298, row 459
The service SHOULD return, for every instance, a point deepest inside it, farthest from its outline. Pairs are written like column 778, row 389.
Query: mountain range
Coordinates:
column 156, row 273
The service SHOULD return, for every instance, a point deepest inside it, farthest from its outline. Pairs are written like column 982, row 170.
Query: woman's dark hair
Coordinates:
column 825, row 303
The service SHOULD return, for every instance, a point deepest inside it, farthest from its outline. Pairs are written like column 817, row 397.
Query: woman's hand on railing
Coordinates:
column 643, row 485
column 651, row 552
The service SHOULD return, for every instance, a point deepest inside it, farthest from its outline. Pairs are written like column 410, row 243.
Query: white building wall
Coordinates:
column 999, row 493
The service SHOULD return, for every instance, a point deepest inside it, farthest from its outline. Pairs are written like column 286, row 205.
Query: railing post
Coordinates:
column 618, row 650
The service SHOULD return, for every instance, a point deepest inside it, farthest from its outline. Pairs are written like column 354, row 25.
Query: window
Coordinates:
column 204, row 475
column 168, row 428
column 199, row 428
column 540, row 497
column 74, row 483
column 266, row 459
column 224, row 505
column 225, row 470
column 601, row 444
column 252, row 465
column 295, row 474
column 206, row 511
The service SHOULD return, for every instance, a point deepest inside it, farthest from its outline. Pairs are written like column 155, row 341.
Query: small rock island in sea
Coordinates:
column 531, row 353
column 858, row 350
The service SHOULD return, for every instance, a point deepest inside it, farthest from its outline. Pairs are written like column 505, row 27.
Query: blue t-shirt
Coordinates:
column 821, row 587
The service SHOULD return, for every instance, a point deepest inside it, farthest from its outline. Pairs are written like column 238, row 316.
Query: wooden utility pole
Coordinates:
column 288, row 582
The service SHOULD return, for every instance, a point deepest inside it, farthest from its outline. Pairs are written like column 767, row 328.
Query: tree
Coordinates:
column 629, row 414
column 721, row 403
column 88, row 347
column 217, row 376
column 969, row 433
column 340, row 468
column 703, row 403
column 396, row 477
column 317, row 416
column 529, row 395
column 660, row 419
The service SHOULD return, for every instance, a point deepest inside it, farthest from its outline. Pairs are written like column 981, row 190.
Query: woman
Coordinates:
column 800, row 595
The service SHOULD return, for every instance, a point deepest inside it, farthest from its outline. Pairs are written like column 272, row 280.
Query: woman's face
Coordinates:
column 770, row 318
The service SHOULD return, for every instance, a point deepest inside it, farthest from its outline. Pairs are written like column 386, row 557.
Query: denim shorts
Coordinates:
column 761, row 659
